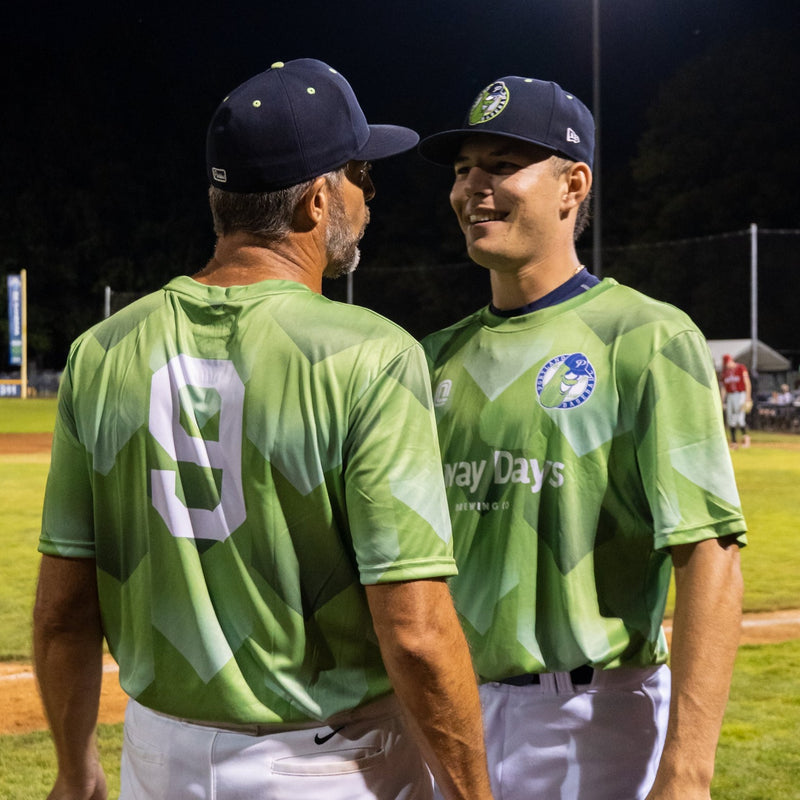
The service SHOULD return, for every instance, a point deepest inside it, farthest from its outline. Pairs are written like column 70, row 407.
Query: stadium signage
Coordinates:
column 14, row 319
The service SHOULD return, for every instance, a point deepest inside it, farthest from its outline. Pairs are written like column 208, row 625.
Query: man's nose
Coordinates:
column 477, row 181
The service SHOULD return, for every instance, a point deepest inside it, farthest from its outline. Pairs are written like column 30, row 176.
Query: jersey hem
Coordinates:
column 734, row 526
column 408, row 571
column 65, row 549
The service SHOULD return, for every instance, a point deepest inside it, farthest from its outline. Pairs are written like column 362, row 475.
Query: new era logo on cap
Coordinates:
column 572, row 136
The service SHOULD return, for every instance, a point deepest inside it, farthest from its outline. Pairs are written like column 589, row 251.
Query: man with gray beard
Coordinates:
column 234, row 507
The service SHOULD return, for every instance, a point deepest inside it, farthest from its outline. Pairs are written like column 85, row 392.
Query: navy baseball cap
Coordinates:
column 290, row 124
column 534, row 111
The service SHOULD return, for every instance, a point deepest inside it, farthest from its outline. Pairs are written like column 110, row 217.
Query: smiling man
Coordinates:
column 584, row 457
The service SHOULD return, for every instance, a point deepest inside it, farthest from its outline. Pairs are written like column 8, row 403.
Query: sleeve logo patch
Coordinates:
column 565, row 381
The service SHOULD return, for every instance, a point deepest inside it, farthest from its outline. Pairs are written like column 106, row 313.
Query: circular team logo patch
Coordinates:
column 565, row 381
column 490, row 102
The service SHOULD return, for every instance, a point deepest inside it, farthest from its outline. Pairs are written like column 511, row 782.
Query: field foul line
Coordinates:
column 28, row 675
column 777, row 622
column 758, row 623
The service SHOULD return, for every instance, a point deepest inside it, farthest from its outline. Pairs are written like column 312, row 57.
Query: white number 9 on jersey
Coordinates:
column 223, row 453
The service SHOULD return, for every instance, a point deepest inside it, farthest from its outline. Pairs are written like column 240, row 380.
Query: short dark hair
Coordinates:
column 267, row 215
column 584, row 216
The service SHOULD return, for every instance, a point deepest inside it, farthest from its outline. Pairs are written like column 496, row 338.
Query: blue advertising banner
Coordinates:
column 9, row 389
column 14, row 319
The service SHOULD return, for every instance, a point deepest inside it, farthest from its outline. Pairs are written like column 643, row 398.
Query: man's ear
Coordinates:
column 313, row 205
column 577, row 183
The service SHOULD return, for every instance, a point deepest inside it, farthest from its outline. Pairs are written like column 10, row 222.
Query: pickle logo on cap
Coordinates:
column 490, row 102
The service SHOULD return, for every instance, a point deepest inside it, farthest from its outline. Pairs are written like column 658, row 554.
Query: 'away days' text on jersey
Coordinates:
column 504, row 467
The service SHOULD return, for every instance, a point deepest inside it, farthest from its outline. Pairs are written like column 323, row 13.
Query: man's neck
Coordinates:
column 517, row 288
column 240, row 259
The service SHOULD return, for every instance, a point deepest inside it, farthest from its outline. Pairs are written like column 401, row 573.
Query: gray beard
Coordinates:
column 341, row 244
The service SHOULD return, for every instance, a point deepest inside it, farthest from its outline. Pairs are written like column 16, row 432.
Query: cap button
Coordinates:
column 277, row 65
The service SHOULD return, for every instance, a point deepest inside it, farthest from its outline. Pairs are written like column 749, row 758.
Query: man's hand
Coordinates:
column 93, row 787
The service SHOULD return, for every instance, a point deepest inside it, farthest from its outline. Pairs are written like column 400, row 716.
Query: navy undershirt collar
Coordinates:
column 576, row 285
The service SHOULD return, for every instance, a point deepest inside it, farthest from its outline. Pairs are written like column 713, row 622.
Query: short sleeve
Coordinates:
column 682, row 449
column 395, row 492
column 67, row 516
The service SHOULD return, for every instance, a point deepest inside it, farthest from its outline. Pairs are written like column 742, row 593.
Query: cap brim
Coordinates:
column 442, row 148
column 385, row 141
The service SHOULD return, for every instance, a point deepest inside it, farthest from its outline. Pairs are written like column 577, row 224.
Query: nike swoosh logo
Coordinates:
column 322, row 739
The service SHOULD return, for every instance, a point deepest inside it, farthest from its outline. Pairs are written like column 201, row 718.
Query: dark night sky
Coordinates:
column 417, row 63
column 106, row 105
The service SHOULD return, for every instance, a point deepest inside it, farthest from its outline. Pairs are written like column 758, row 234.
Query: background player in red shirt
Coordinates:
column 737, row 394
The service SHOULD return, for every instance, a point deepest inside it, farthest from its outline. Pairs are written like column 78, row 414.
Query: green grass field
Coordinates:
column 27, row 416
column 769, row 479
column 758, row 755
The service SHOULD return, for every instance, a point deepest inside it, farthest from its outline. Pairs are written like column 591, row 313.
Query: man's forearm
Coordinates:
column 434, row 680
column 68, row 653
column 705, row 637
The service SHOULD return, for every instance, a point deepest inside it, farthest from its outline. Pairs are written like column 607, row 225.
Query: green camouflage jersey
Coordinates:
column 239, row 461
column 579, row 443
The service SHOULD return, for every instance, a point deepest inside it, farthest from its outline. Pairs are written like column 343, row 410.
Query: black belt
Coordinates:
column 579, row 676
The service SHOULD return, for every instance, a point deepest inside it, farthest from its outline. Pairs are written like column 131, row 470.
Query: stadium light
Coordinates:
column 597, row 224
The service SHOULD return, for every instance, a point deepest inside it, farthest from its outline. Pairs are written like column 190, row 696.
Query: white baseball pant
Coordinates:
column 372, row 756
column 557, row 741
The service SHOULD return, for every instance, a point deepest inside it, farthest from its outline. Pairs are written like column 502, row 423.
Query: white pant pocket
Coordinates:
column 330, row 762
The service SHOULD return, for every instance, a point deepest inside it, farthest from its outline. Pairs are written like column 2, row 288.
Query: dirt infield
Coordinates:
column 20, row 706
column 29, row 443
